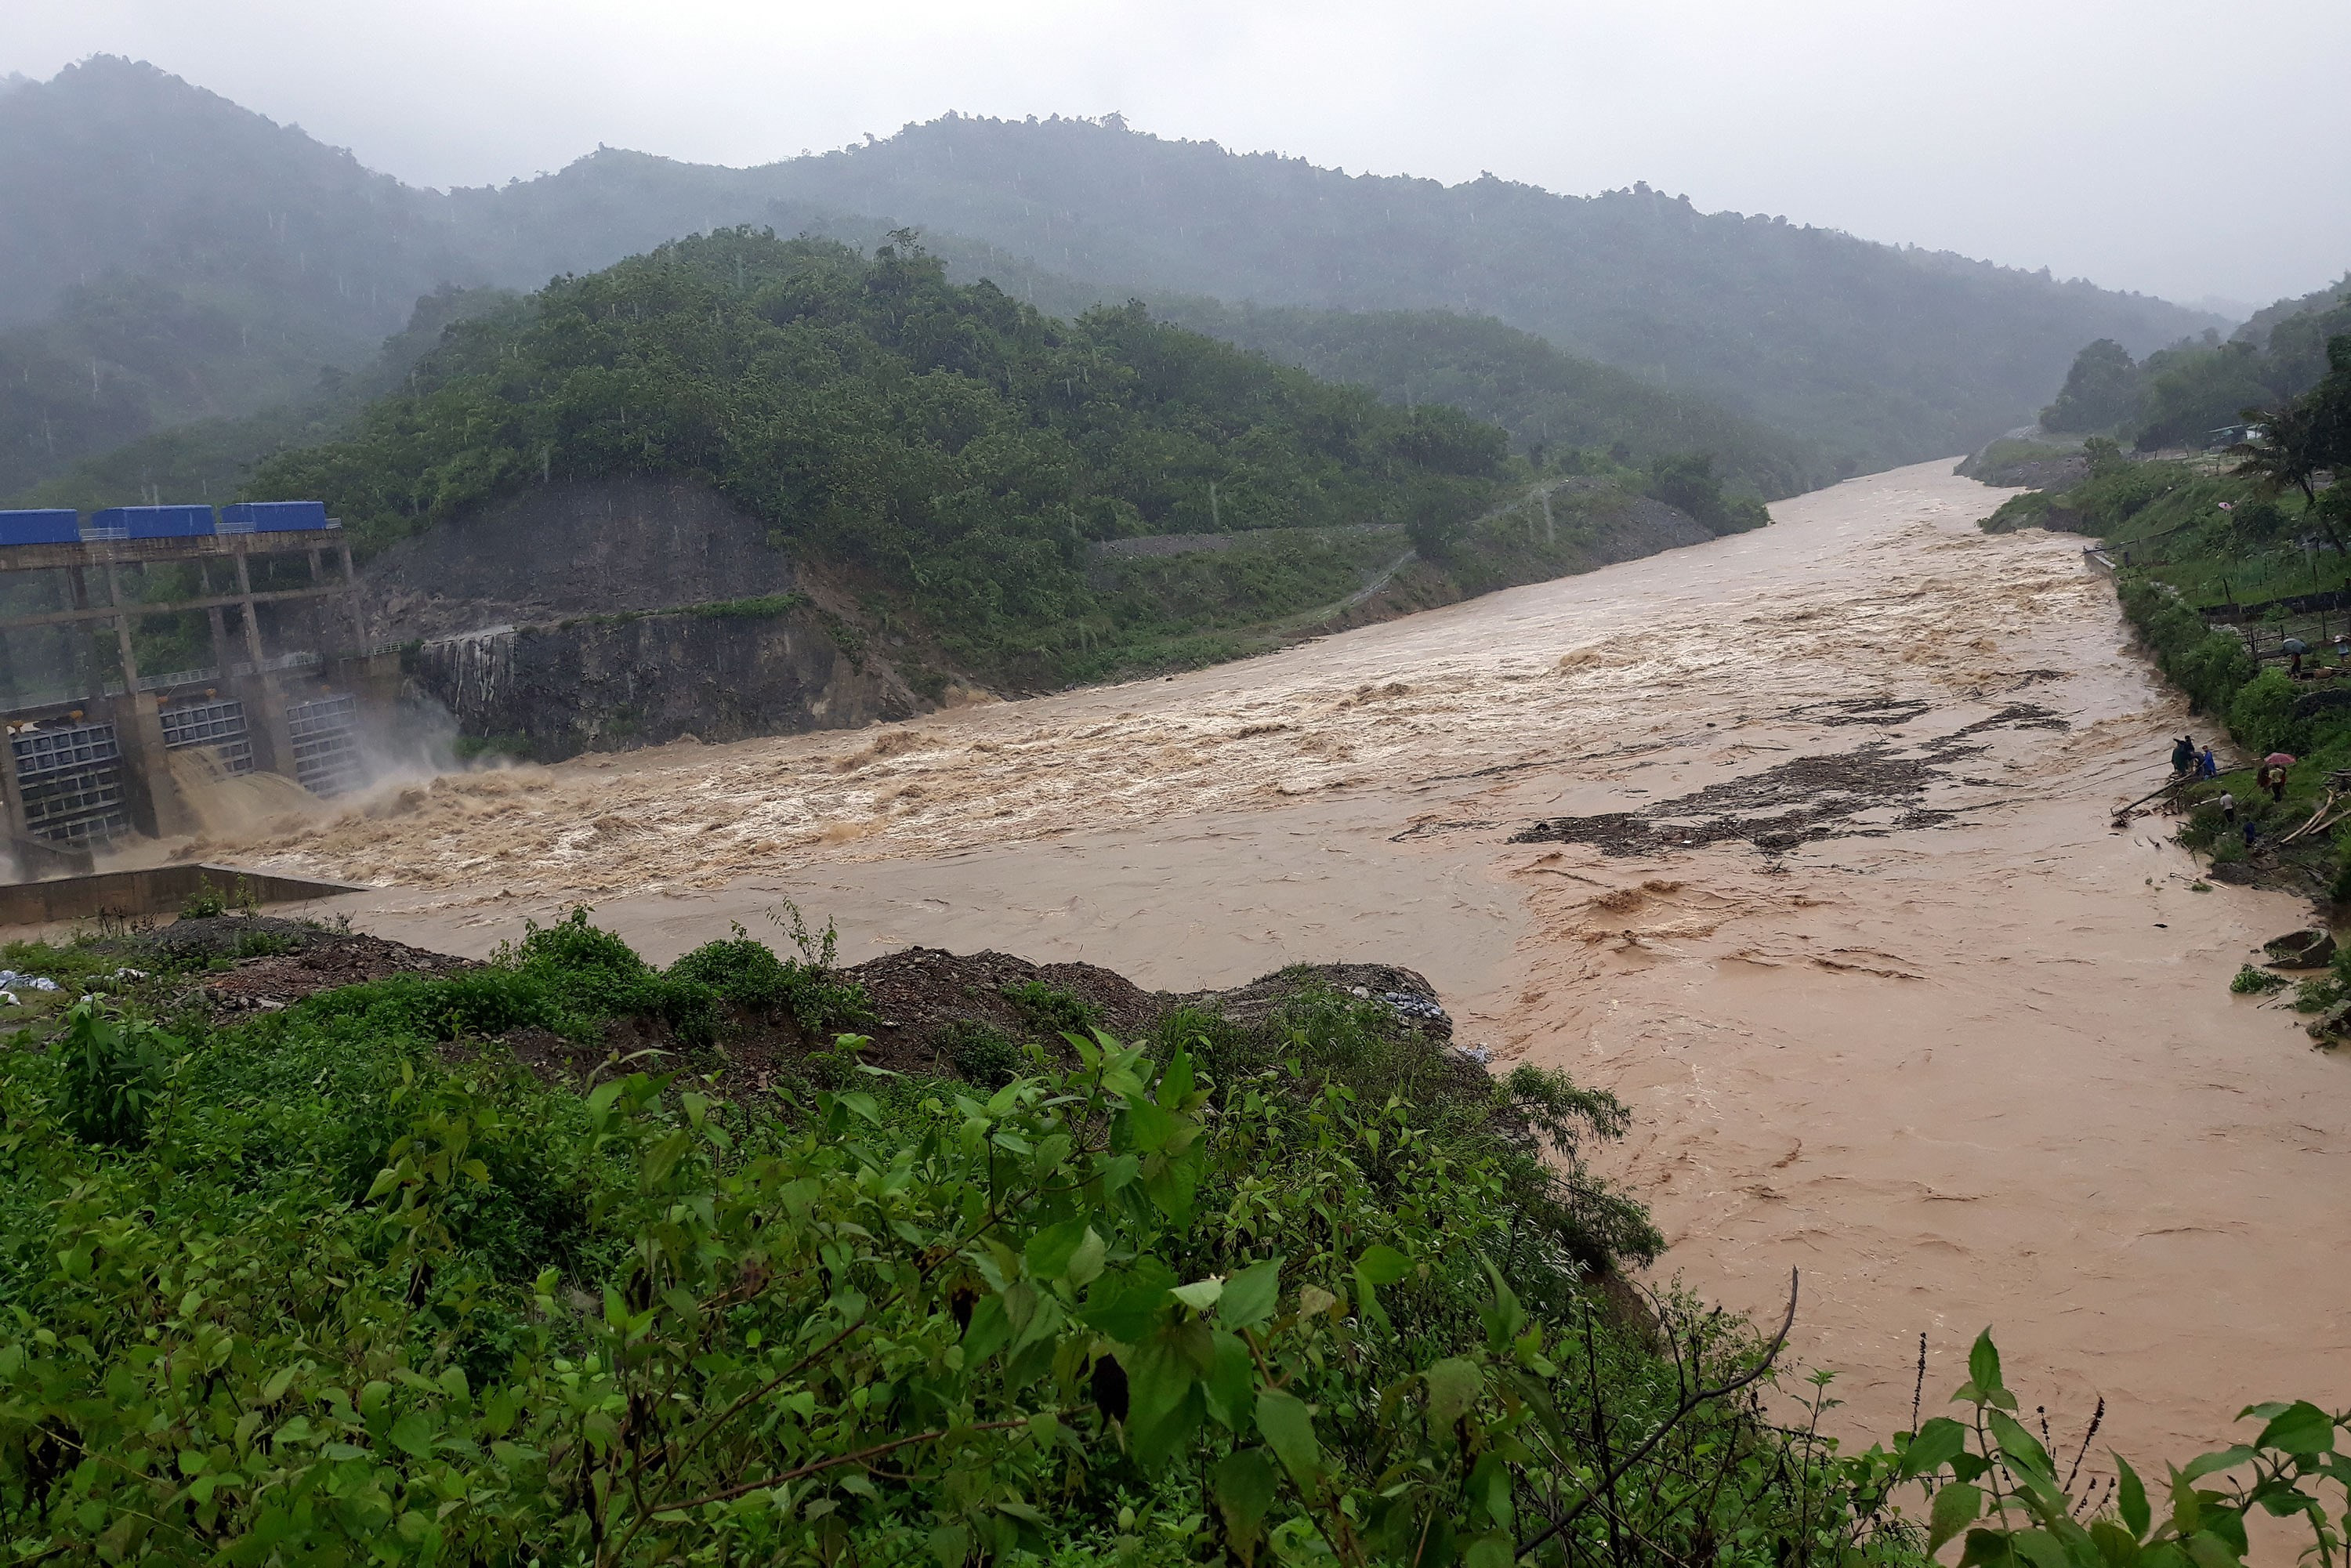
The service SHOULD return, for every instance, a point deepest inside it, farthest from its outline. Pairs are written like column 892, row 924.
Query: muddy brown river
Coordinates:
column 1798, row 840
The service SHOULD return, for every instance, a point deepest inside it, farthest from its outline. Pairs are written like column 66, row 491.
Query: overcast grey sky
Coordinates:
column 2192, row 150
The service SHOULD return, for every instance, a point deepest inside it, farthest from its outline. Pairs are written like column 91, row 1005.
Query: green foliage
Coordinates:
column 1548, row 400
column 113, row 1073
column 1272, row 1295
column 2209, row 665
column 2178, row 396
column 209, row 900
column 1124, row 1311
column 2017, row 1505
column 2249, row 981
column 1051, row 1010
column 746, row 973
column 2260, row 715
column 2101, row 390
column 1687, row 480
column 981, row 1054
column 944, row 440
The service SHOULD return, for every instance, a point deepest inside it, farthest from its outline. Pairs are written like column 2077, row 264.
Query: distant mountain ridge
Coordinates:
column 171, row 255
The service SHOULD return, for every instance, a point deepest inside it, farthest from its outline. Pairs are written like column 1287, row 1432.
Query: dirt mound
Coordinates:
column 294, row 960
column 1405, row 991
column 925, row 997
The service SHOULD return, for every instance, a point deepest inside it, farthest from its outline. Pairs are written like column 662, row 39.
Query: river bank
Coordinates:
column 1815, row 873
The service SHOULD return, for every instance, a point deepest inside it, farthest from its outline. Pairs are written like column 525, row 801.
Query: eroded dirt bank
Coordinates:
column 1797, row 840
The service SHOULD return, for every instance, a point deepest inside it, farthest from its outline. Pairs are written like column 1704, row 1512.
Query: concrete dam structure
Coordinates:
column 100, row 749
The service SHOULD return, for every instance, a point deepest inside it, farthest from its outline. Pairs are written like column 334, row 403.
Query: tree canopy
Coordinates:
column 943, row 441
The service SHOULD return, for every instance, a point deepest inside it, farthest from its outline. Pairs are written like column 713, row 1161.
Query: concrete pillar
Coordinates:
column 264, row 698
column 12, row 797
column 84, row 669
column 150, row 797
column 352, row 602
column 222, row 658
column 121, row 630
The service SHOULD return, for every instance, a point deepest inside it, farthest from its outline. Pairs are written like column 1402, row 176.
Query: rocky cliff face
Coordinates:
column 612, row 683
column 623, row 613
column 565, row 550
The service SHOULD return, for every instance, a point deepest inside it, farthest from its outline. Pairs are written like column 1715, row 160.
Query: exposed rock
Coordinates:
column 2312, row 949
column 616, row 683
column 607, row 547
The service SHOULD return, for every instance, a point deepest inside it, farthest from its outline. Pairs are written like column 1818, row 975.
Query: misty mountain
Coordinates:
column 172, row 257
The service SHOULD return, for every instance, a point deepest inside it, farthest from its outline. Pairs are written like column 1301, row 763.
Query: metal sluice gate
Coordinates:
column 218, row 724
column 326, row 745
column 72, row 784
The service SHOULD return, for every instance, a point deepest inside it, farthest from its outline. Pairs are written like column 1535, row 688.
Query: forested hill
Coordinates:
column 1545, row 398
column 1885, row 354
column 945, row 448
column 171, row 256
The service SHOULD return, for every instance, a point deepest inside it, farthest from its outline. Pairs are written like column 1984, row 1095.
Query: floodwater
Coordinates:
column 1827, row 893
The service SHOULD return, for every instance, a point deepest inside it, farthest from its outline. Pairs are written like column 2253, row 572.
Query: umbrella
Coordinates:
column 2278, row 759
column 2295, row 645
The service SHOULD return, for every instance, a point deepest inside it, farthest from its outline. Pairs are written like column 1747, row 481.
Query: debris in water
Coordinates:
column 1803, row 800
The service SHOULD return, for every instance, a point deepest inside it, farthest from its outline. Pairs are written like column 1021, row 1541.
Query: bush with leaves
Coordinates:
column 2019, row 1506
column 356, row 1297
column 114, row 1071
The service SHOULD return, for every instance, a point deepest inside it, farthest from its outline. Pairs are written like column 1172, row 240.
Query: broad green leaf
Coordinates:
column 1987, row 1549
column 950, row 1544
column 1454, row 1385
column 1176, row 1083
column 2207, row 1549
column 2018, row 1446
column 1502, row 1315
column 2213, row 1463
column 1200, row 1294
column 1983, row 1364
column 1489, row 1485
column 1170, row 1183
column 1956, row 1508
column 1250, row 1295
column 1244, row 1482
column 2187, row 1508
column 1283, row 1419
column 1050, row 1250
column 1161, row 1371
column 412, row 1435
column 2300, row 1429
column 1491, row 1550
column 2040, row 1548
column 1122, row 1305
column 2136, row 1515
column 989, row 1331
column 1938, row 1440
column 2118, row 1547
column 1382, row 1266
column 1232, row 1381
column 1086, row 1262
column 1149, row 1129
column 1155, row 1438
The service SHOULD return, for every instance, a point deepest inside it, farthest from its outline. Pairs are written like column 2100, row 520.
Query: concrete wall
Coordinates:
column 158, row 890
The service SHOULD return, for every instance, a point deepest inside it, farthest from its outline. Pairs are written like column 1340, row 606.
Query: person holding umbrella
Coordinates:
column 2296, row 647
column 2274, row 768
